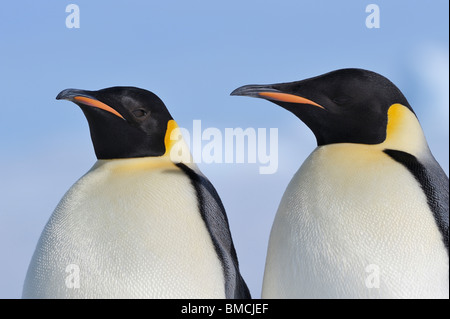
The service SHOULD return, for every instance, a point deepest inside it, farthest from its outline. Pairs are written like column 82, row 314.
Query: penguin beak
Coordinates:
column 86, row 98
column 268, row 92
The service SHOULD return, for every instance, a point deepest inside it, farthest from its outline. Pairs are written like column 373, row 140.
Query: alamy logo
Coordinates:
column 236, row 145
column 373, row 279
column 73, row 279
column 73, row 19
column 373, row 19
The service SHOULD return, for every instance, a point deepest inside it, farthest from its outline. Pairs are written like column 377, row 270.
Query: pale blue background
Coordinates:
column 193, row 54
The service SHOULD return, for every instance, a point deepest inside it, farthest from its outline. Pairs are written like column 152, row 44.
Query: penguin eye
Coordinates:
column 342, row 100
column 139, row 113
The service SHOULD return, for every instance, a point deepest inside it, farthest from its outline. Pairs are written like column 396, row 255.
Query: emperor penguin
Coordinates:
column 143, row 222
column 367, row 213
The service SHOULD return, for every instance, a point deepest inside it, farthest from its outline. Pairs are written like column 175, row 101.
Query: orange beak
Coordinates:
column 269, row 93
column 284, row 97
column 98, row 104
column 86, row 98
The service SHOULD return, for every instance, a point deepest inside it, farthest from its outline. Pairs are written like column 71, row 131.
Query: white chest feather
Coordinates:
column 353, row 223
column 128, row 231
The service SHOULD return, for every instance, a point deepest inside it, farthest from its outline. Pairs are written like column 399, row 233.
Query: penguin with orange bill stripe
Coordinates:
column 141, row 223
column 367, row 214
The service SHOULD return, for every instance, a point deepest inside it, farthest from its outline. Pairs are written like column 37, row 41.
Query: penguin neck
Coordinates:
column 404, row 133
column 133, row 164
column 177, row 151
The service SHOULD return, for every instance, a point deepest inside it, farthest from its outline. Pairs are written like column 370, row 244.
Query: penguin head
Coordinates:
column 343, row 106
column 124, row 122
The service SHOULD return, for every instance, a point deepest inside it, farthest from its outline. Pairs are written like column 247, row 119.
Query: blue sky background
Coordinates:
column 193, row 54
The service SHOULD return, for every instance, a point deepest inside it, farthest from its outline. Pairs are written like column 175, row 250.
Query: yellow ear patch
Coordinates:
column 396, row 116
column 168, row 142
column 403, row 131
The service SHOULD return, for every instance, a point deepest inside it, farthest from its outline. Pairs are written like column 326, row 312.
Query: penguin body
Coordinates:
column 118, row 223
column 344, row 230
column 136, row 227
column 366, row 215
